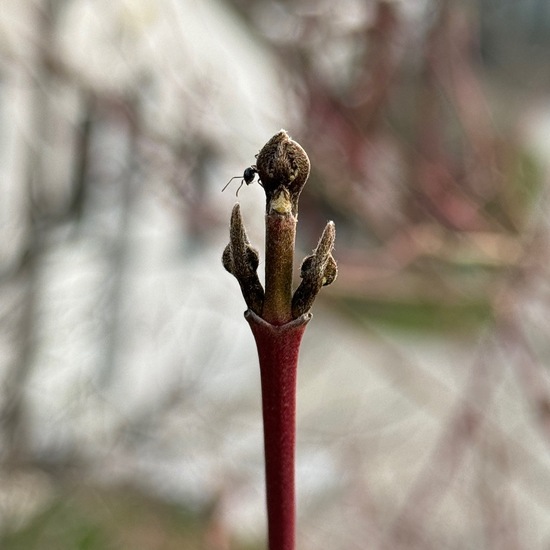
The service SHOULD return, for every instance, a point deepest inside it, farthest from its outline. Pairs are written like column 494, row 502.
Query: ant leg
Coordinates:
column 237, row 193
column 233, row 178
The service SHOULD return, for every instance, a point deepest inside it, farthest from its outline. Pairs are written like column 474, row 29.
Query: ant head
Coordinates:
column 249, row 174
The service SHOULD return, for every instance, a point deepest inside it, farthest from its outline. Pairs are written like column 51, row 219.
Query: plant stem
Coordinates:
column 277, row 318
column 280, row 233
column 278, row 349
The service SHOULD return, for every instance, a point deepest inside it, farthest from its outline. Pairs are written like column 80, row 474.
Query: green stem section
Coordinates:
column 279, row 257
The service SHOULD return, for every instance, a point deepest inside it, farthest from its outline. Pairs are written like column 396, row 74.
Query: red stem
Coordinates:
column 278, row 349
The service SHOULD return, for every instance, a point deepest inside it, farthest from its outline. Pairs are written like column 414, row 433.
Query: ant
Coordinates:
column 248, row 177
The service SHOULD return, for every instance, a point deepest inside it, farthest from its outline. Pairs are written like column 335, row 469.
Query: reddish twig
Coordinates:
column 278, row 318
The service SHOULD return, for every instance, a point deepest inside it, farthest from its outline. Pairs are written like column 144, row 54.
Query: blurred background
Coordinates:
column 130, row 414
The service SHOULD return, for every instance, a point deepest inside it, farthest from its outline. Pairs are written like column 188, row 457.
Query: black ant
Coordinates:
column 248, row 177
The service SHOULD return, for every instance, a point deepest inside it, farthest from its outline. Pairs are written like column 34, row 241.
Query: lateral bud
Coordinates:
column 318, row 270
column 241, row 259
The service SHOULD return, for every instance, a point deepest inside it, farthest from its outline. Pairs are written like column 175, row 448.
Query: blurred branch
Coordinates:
column 13, row 414
column 459, row 435
column 418, row 384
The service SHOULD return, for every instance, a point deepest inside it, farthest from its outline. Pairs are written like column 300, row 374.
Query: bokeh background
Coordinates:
column 130, row 414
